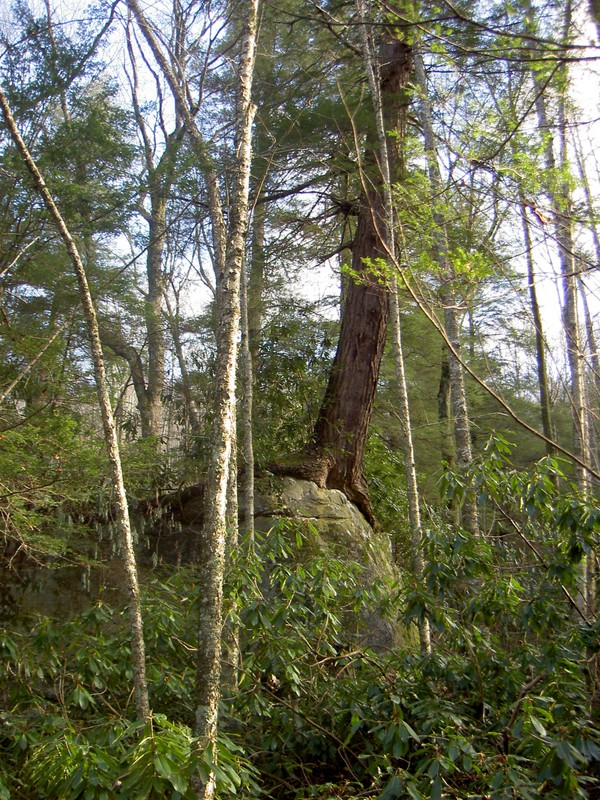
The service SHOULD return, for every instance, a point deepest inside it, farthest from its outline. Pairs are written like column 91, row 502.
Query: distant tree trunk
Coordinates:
column 561, row 201
column 540, row 344
column 256, row 280
column 444, row 410
column 595, row 12
column 138, row 657
column 157, row 232
column 593, row 377
column 594, row 380
column 559, row 192
column 458, row 395
column 186, row 384
column 334, row 456
column 113, row 337
column 160, row 176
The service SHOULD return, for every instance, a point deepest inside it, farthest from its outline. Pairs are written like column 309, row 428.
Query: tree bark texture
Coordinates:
column 334, row 456
column 215, row 531
column 157, row 232
column 245, row 418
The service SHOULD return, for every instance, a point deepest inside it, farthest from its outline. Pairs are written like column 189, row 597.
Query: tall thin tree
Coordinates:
column 108, row 421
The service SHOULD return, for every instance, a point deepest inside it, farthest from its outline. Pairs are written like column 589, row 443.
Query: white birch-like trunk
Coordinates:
column 229, row 247
column 108, row 422
column 228, row 329
column 412, row 487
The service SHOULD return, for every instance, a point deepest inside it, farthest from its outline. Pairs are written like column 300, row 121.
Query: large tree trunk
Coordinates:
column 333, row 458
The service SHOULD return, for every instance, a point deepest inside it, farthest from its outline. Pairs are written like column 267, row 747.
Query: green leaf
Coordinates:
column 538, row 726
column 393, row 789
column 162, row 765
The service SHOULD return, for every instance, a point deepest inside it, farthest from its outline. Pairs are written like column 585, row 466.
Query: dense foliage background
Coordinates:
column 495, row 219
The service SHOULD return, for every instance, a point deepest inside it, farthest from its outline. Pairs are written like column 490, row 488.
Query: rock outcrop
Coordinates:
column 332, row 524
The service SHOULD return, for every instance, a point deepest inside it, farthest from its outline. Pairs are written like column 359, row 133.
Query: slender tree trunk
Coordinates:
column 228, row 248
column 562, row 212
column 594, row 401
column 462, row 427
column 228, row 328
column 110, row 431
column 186, row 384
column 31, row 364
column 247, row 373
column 540, row 344
column 113, row 338
column 595, row 13
column 230, row 639
column 593, row 379
column 256, row 281
column 444, row 409
column 157, row 232
column 160, row 176
column 414, row 503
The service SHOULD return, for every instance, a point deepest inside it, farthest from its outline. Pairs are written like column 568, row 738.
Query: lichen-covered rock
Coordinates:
column 331, row 524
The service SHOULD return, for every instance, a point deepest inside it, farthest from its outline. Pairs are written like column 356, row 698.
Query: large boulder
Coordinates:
column 332, row 525
column 171, row 536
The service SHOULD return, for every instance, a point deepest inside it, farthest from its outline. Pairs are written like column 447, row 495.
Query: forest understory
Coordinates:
column 347, row 250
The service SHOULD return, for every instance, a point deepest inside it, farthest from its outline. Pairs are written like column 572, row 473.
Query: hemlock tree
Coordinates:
column 333, row 457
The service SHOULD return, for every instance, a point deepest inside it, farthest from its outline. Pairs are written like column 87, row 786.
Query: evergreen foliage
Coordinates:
column 502, row 706
column 507, row 703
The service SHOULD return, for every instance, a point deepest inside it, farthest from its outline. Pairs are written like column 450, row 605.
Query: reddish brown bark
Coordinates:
column 334, row 456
